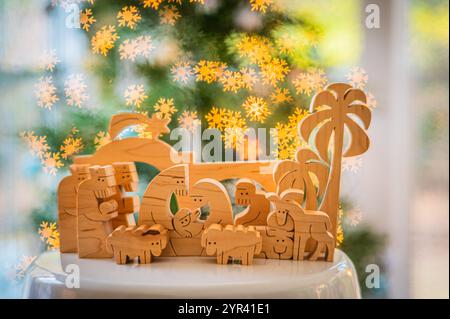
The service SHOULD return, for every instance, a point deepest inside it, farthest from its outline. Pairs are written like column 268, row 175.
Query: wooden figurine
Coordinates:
column 127, row 181
column 154, row 125
column 334, row 111
column 155, row 207
column 276, row 243
column 67, row 207
column 127, row 243
column 212, row 193
column 307, row 173
column 187, row 224
column 306, row 190
column 258, row 206
column 184, row 239
column 152, row 151
column 308, row 225
column 232, row 242
column 95, row 210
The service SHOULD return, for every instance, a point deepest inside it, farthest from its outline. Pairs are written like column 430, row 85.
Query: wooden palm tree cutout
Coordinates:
column 302, row 174
column 336, row 111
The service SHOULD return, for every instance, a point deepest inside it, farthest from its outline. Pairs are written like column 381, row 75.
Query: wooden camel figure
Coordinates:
column 126, row 181
column 67, row 207
column 235, row 242
column 208, row 191
column 95, row 210
column 307, row 225
column 258, row 206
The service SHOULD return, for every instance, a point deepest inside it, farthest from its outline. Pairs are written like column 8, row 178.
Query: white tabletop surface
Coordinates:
column 192, row 277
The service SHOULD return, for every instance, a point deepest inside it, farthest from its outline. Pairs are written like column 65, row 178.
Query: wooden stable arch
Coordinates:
column 158, row 154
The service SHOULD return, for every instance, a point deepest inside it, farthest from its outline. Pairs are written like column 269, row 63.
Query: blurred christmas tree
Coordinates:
column 233, row 63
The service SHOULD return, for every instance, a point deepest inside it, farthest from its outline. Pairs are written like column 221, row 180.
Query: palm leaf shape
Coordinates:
column 302, row 174
column 338, row 109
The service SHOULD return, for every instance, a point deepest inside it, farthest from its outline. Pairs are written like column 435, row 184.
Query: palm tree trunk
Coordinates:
column 330, row 203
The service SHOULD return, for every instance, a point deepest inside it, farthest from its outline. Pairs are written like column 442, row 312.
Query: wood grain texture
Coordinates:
column 305, row 190
column 67, row 207
column 184, row 239
column 276, row 243
column 126, row 181
column 143, row 242
column 132, row 149
column 258, row 171
column 155, row 207
column 211, row 193
column 314, row 225
column 236, row 243
column 258, row 207
column 153, row 125
column 338, row 109
column 96, row 208
column 308, row 173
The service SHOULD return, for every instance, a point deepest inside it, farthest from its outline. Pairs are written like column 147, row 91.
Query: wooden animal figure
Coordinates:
column 67, row 207
column 307, row 224
column 127, row 243
column 276, row 243
column 127, row 181
column 258, row 206
column 232, row 242
column 184, row 239
column 95, row 210
column 210, row 192
column 155, row 207
column 187, row 224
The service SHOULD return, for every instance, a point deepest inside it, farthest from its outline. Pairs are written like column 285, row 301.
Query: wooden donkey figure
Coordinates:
column 289, row 215
column 95, row 209
column 127, row 181
column 67, row 207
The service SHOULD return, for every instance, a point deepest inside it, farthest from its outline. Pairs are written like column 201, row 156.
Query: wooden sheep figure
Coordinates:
column 127, row 243
column 235, row 242
column 289, row 215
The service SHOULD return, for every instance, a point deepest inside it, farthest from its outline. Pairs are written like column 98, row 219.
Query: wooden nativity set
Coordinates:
column 293, row 215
